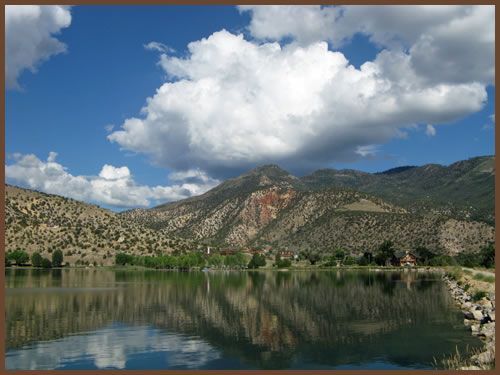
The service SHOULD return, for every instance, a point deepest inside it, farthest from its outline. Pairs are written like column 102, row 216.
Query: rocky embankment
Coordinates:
column 480, row 317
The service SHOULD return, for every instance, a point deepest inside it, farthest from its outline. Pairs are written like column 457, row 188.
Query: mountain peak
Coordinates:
column 269, row 169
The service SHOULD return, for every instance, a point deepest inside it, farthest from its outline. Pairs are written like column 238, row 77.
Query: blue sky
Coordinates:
column 106, row 75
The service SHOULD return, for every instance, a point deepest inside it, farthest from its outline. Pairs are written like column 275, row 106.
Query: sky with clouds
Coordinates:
column 129, row 106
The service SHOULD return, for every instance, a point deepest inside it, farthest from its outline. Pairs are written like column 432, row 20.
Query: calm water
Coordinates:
column 87, row 319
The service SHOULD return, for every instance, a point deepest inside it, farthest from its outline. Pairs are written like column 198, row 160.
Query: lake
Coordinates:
column 126, row 319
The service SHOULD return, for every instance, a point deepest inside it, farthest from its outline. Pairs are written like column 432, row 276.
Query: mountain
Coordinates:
column 448, row 209
column 85, row 233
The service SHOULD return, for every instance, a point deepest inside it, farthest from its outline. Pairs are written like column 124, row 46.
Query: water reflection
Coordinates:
column 229, row 319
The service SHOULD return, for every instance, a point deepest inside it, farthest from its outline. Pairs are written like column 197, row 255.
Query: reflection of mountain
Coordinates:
column 265, row 319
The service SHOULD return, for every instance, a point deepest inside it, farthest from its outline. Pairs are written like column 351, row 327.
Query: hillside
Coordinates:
column 85, row 233
column 448, row 209
column 464, row 189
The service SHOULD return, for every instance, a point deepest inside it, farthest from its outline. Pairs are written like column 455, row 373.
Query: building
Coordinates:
column 228, row 251
column 287, row 254
column 408, row 260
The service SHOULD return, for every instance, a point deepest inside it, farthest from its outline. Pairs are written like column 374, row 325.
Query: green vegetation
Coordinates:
column 46, row 263
column 385, row 253
column 20, row 257
column 313, row 256
column 483, row 277
column 283, row 263
column 478, row 295
column 57, row 258
column 185, row 261
column 36, row 260
column 454, row 272
column 215, row 261
column 257, row 261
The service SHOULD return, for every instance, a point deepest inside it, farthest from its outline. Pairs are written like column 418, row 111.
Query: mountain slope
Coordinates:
column 85, row 233
column 431, row 205
column 463, row 189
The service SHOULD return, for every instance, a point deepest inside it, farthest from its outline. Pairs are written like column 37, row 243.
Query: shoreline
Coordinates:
column 479, row 316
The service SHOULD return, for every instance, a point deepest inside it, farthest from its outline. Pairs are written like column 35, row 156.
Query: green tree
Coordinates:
column 385, row 253
column 215, row 261
column 19, row 256
column 313, row 256
column 46, row 263
column 36, row 260
column 122, row 259
column 424, row 254
column 349, row 261
column 57, row 258
column 363, row 261
column 257, row 261
column 339, row 254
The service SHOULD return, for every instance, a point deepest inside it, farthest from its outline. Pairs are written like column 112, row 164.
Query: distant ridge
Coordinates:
column 397, row 169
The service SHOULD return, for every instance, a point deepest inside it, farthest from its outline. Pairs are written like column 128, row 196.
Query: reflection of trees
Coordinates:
column 263, row 317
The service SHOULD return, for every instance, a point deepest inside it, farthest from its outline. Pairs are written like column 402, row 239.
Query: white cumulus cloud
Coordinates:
column 113, row 186
column 445, row 43
column 430, row 130
column 29, row 37
column 232, row 103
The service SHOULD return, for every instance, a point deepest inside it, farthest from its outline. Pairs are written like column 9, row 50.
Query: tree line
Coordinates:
column 385, row 255
column 22, row 258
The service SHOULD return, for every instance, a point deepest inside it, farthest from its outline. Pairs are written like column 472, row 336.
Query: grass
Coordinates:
column 454, row 272
column 458, row 360
column 483, row 277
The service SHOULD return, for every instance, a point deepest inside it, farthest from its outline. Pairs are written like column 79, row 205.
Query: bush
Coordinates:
column 123, row 259
column 46, row 263
column 283, row 263
column 36, row 260
column 57, row 258
column 478, row 295
column 468, row 259
column 443, row 260
column 257, row 261
column 349, row 261
column 363, row 261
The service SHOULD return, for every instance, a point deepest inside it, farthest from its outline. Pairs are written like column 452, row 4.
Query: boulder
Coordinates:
column 475, row 329
column 478, row 314
column 466, row 305
column 487, row 330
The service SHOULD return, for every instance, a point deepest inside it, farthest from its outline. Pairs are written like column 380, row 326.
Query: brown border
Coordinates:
column 218, row 2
